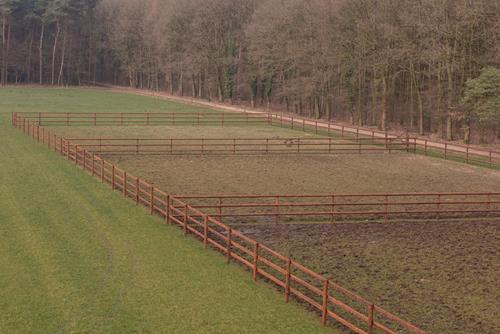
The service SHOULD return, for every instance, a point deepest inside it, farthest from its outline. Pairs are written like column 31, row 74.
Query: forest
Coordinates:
column 429, row 67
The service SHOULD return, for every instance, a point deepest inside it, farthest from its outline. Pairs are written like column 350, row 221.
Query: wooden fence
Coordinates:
column 446, row 150
column 243, row 145
column 138, row 119
column 330, row 300
column 348, row 206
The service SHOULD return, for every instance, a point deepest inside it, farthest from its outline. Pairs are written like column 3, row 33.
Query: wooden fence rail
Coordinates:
column 243, row 145
column 349, row 206
column 330, row 300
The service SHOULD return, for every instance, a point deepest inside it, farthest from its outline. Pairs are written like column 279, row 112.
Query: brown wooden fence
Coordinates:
column 321, row 145
column 348, row 206
column 330, row 300
column 148, row 118
column 446, row 150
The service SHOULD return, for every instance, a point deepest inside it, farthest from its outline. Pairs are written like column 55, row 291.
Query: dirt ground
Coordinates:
column 308, row 174
column 443, row 276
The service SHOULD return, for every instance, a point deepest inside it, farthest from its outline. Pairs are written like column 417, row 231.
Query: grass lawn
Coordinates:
column 77, row 258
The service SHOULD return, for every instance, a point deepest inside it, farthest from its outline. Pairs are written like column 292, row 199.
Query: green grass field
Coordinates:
column 90, row 243
column 76, row 257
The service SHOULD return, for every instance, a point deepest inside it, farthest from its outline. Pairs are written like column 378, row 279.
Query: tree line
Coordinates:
column 408, row 65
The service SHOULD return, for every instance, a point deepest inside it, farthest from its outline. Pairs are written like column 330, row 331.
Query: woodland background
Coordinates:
column 396, row 64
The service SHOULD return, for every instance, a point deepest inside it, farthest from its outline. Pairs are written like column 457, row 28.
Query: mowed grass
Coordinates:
column 75, row 257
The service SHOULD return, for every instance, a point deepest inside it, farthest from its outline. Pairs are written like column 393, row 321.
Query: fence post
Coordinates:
column 287, row 279
column 370, row 318
column 425, row 147
column 93, row 164
column 205, row 231
column 325, row 302
column 292, row 122
column 76, row 155
column 102, row 171
column 152, row 197
column 445, row 150
column 125, row 183
column 113, row 177
column 220, row 209
column 255, row 261
column 185, row 218
column 467, row 154
column 277, row 203
column 84, row 159
column 342, row 131
column 333, row 208
column 137, row 189
column 167, row 209
column 48, row 139
column 316, row 124
column 386, row 204
column 229, row 234
column 439, row 206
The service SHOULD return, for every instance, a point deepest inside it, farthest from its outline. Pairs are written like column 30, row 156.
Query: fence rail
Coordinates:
column 331, row 301
column 349, row 206
column 243, row 145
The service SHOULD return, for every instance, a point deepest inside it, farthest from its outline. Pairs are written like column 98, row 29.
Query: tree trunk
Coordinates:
column 449, row 124
column 54, row 49
column 385, row 103
column 40, row 54
column 63, row 54
column 28, row 61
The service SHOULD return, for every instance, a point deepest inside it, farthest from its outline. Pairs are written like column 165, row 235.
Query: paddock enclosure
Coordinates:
column 275, row 193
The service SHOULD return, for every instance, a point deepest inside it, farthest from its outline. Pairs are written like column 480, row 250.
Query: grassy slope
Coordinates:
column 77, row 258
